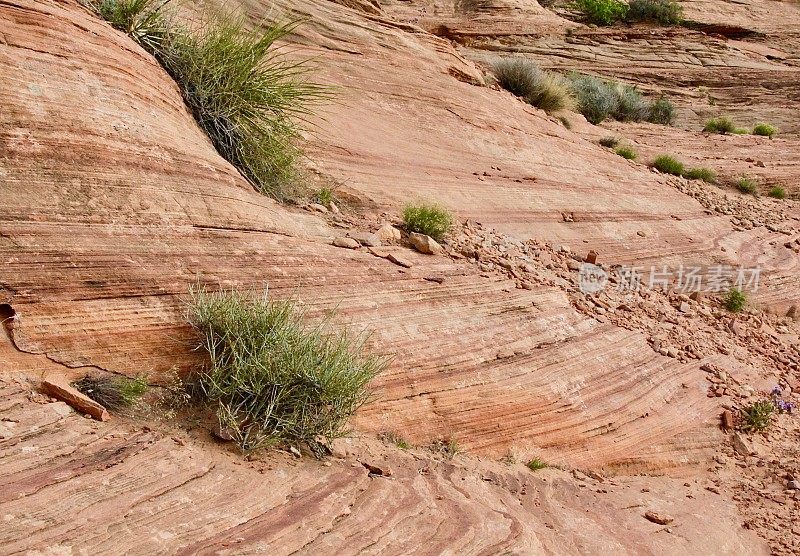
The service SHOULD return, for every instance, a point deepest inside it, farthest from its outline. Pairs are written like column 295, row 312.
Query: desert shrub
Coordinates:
column 705, row 174
column 668, row 165
column 395, row 439
column 757, row 416
column 565, row 122
column 271, row 377
column 603, row 12
column 662, row 111
column 735, row 300
column 543, row 89
column 324, row 196
column 777, row 192
column 113, row 392
column 665, row 12
column 747, row 185
column 247, row 96
column 626, row 153
column 609, row 142
column 721, row 125
column 536, row 464
column 764, row 129
column 431, row 220
column 598, row 99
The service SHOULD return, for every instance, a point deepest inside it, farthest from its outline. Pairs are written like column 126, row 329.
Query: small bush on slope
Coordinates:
column 113, row 392
column 662, row 111
column 747, row 185
column 599, row 99
column 273, row 378
column 431, row 220
column 701, row 174
column 720, row 125
column 609, row 141
column 735, row 300
column 665, row 12
column 603, row 12
column 245, row 94
column 764, row 129
column 626, row 153
column 545, row 90
column 777, row 192
column 668, row 165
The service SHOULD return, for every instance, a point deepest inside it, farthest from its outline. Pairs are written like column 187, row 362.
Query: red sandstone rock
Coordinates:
column 60, row 389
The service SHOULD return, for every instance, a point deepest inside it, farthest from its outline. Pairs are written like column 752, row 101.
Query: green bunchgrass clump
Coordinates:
column 609, row 142
column 395, row 439
column 721, row 125
column 536, row 464
column 543, row 89
column 113, row 392
column 668, row 165
column 324, row 196
column 603, row 12
column 598, row 99
column 747, row 185
column 626, row 153
column 273, row 378
column 735, row 300
column 764, row 129
column 757, row 416
column 245, row 94
column 431, row 220
column 665, row 12
column 705, row 174
column 777, row 192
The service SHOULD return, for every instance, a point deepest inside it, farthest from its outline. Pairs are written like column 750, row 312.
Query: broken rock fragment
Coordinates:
column 61, row 389
column 425, row 244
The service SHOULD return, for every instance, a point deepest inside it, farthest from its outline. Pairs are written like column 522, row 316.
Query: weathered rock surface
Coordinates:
column 60, row 389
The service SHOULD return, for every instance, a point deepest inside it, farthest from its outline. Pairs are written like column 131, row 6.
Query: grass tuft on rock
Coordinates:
column 665, row 12
column 245, row 94
column 721, row 125
column 543, row 89
column 777, row 192
column 431, row 220
column 668, row 165
column 609, row 142
column 747, row 185
column 598, row 100
column 626, row 153
column 765, row 130
column 705, row 174
column 757, row 416
column 273, row 378
column 735, row 300
column 536, row 464
column 113, row 392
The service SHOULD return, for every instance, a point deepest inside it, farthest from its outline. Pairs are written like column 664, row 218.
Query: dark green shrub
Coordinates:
column 431, row 220
column 273, row 378
column 668, row 165
column 704, row 174
column 665, row 12
column 609, row 142
column 735, row 300
column 626, row 153
column 113, row 392
column 324, row 196
column 764, row 129
column 777, row 192
column 720, row 125
column 603, row 12
column 631, row 105
column 747, row 185
column 545, row 90
column 662, row 111
column 757, row 416
column 536, row 464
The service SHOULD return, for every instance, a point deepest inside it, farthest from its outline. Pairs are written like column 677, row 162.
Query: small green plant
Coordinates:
column 665, row 12
column 735, row 300
column 747, row 185
column 431, row 220
column 721, row 125
column 662, row 111
column 447, row 446
column 777, row 192
column 113, row 392
column 536, row 464
column 546, row 90
column 324, row 196
column 705, row 174
column 609, row 142
column 603, row 12
column 757, row 416
column 668, row 165
column 395, row 439
column 764, row 129
column 271, row 377
column 626, row 153
column 142, row 20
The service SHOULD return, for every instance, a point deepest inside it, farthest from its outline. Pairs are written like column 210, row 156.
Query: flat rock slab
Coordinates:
column 60, row 389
